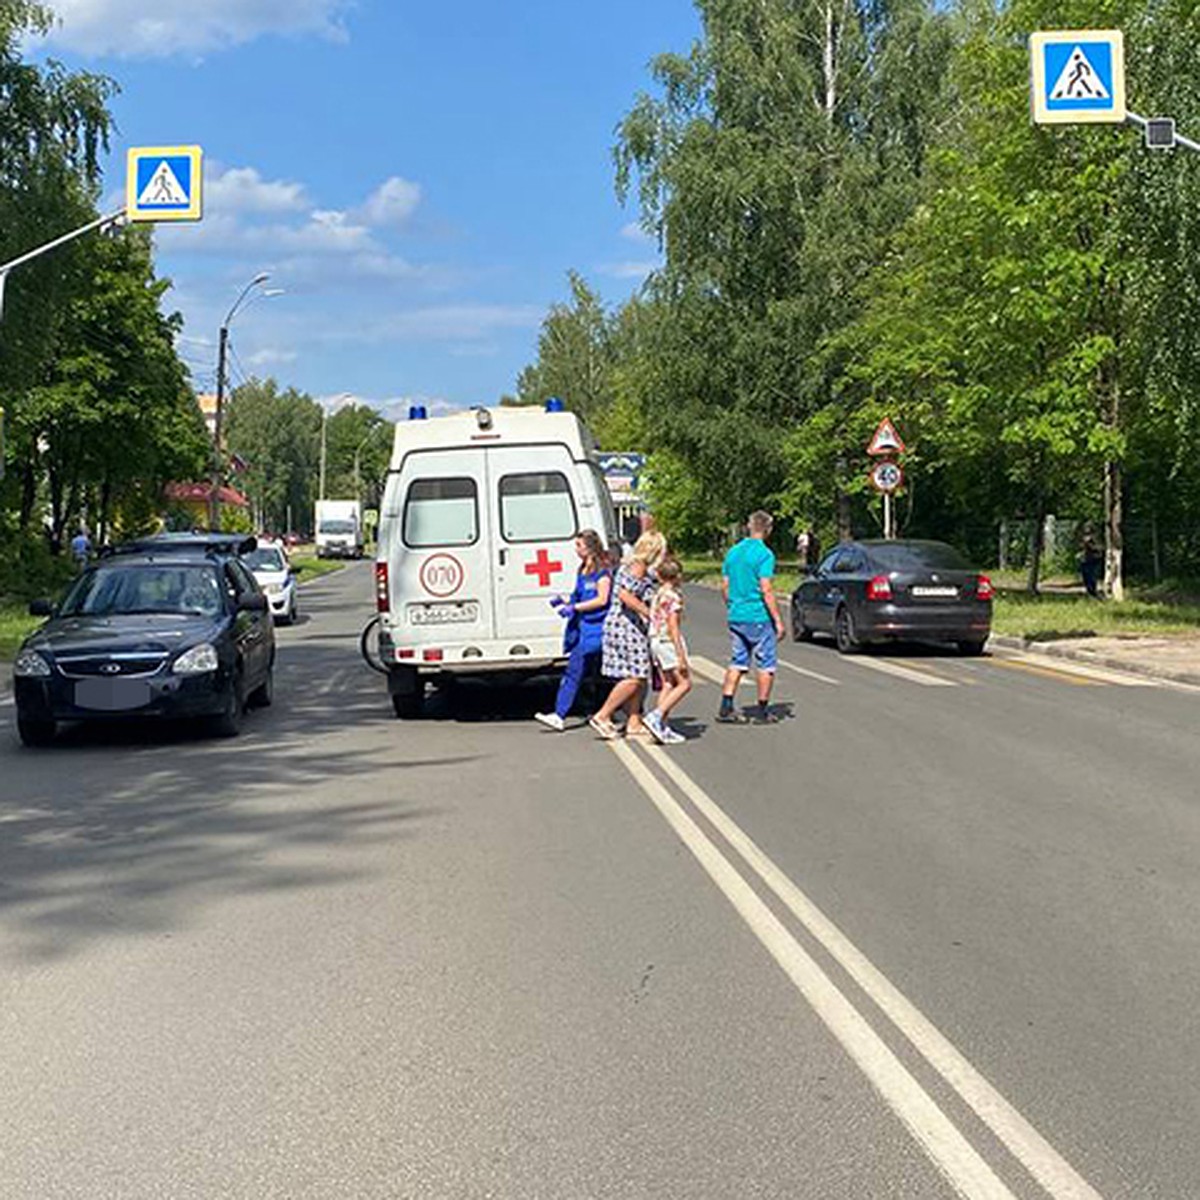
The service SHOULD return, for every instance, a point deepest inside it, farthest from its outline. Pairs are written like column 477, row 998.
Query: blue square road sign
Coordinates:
column 1078, row 76
column 164, row 183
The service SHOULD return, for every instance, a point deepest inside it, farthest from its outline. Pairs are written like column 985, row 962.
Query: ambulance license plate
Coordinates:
column 463, row 613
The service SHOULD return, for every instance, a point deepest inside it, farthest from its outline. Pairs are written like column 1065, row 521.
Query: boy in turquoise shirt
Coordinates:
column 753, row 614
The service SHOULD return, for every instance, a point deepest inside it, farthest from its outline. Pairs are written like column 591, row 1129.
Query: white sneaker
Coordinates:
column 551, row 721
column 671, row 737
column 654, row 722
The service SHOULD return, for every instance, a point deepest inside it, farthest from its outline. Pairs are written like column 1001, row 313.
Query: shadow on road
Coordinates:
column 128, row 829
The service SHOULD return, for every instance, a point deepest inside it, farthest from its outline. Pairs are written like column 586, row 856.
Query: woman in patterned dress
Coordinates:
column 626, row 654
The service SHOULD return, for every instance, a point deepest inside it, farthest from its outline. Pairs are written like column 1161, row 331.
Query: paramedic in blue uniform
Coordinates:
column 584, row 613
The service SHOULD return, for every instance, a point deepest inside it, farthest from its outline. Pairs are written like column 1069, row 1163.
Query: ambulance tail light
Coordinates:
column 406, row 654
column 382, row 594
column 433, row 655
column 880, row 588
column 984, row 589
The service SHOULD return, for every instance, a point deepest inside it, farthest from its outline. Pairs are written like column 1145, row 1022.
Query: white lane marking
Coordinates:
column 716, row 674
column 791, row 666
column 961, row 1164
column 1070, row 667
column 707, row 669
column 891, row 668
column 1028, row 1146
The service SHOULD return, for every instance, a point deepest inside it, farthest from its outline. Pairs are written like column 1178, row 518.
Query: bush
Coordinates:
column 28, row 570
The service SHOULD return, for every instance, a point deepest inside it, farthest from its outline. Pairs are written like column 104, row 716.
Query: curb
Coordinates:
column 1050, row 650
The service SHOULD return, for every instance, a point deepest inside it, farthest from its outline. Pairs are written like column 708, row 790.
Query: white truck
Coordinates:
column 476, row 534
column 339, row 529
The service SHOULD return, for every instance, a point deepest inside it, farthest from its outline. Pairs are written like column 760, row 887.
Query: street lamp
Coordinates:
column 357, row 472
column 214, row 499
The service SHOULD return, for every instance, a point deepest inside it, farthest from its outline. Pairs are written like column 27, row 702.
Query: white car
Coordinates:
column 269, row 565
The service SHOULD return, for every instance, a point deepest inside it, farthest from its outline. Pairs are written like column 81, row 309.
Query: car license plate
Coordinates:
column 111, row 695
column 942, row 593
column 464, row 613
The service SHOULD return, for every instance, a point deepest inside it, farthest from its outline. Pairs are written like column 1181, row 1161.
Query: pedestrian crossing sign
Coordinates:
column 164, row 183
column 1078, row 76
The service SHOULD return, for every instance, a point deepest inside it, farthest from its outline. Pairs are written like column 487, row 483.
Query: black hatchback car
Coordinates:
column 877, row 591
column 174, row 626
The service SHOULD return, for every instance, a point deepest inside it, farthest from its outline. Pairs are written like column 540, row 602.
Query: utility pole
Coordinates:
column 214, row 498
column 321, row 484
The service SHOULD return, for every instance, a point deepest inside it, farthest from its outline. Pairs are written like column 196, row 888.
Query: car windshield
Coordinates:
column 336, row 527
column 123, row 590
column 919, row 556
column 265, row 558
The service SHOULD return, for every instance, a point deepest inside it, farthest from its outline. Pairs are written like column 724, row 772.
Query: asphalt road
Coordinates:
column 936, row 934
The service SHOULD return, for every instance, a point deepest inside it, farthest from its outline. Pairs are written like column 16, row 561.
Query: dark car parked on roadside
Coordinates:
column 877, row 591
column 173, row 626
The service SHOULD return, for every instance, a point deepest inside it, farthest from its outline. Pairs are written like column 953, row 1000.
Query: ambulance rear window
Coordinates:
column 537, row 507
column 441, row 512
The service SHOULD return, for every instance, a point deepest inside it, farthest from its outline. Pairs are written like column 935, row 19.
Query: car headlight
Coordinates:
column 199, row 660
column 31, row 665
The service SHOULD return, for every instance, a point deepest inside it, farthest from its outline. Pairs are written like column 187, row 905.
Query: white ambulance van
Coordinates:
column 476, row 534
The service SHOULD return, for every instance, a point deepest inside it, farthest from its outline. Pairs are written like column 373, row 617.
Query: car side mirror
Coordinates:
column 41, row 608
column 255, row 602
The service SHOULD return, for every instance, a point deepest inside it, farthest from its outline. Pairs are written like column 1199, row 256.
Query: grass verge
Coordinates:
column 15, row 626
column 1048, row 617
column 307, row 568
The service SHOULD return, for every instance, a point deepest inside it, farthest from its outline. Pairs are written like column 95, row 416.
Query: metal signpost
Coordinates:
column 887, row 476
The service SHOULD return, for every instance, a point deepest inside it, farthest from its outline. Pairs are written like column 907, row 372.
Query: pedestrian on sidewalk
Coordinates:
column 81, row 549
column 1091, row 562
column 626, row 652
column 755, row 625
column 668, row 651
column 583, row 639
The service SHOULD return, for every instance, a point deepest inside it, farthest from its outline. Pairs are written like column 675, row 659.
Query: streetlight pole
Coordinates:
column 214, row 499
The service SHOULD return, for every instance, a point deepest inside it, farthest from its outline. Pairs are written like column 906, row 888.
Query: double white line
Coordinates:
column 963, row 1167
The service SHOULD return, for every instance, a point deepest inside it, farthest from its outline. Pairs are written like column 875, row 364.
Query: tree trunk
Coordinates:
column 1114, row 545
column 102, row 520
column 1155, row 549
column 1003, row 556
column 28, row 491
column 1036, row 537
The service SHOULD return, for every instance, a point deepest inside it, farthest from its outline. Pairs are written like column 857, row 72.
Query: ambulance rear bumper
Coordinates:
column 526, row 655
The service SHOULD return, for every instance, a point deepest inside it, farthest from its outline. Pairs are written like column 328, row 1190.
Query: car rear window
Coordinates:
column 441, row 512
column 537, row 507
column 918, row 556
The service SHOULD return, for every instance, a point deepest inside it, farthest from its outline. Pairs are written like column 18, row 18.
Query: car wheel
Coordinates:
column 408, row 706
column 843, row 630
column 262, row 695
column 35, row 733
column 972, row 648
column 229, row 723
column 800, row 631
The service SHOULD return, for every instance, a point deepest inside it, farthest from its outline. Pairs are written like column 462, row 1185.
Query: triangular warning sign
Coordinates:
column 886, row 440
column 1079, row 80
column 164, row 188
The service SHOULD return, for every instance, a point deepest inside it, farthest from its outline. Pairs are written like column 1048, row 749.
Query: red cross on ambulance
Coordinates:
column 544, row 567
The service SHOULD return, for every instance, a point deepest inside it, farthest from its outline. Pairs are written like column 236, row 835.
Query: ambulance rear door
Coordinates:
column 535, row 496
column 440, row 563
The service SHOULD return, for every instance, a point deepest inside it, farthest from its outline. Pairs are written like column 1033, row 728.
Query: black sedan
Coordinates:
column 168, row 630
column 878, row 591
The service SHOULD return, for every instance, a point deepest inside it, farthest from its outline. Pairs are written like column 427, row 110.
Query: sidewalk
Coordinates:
column 1173, row 658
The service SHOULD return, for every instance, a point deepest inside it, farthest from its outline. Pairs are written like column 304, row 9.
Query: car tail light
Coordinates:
column 382, row 598
column 432, row 655
column 984, row 589
column 880, row 588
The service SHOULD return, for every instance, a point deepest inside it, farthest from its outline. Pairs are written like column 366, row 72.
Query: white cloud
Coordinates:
column 392, row 203
column 458, row 323
column 270, row 357
column 397, row 409
column 133, row 28
column 633, row 232
column 244, row 190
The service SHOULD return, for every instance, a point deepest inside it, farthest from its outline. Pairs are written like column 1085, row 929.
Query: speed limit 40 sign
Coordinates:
column 887, row 477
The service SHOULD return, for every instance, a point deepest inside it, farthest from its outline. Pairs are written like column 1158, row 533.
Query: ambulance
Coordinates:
column 476, row 536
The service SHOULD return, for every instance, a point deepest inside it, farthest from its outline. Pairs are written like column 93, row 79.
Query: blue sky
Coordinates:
column 418, row 177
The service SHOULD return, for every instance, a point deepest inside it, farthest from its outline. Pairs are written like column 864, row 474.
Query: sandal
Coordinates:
column 604, row 729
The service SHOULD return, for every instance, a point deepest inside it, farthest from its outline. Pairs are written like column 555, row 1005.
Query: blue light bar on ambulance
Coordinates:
column 555, row 404
column 418, row 412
